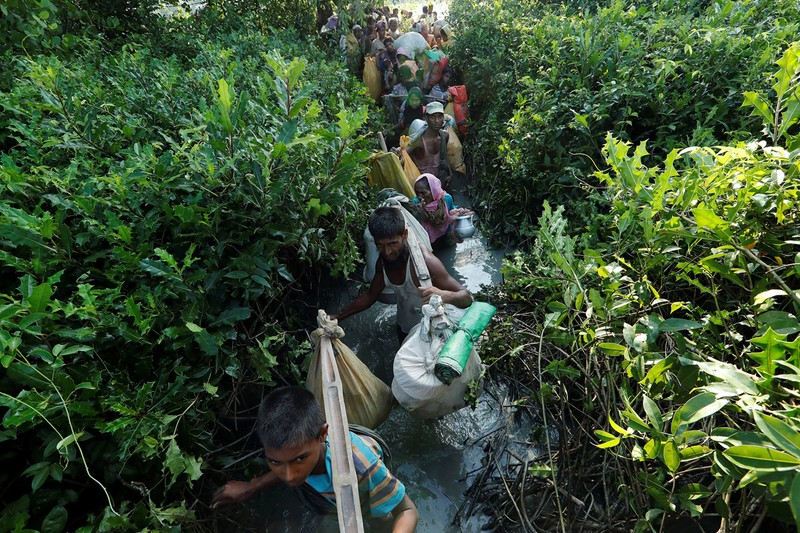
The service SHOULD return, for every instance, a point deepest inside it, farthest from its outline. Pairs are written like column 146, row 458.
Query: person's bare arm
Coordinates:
column 405, row 516
column 444, row 284
column 239, row 491
column 365, row 299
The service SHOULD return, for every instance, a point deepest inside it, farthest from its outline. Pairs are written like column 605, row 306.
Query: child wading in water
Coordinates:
column 295, row 439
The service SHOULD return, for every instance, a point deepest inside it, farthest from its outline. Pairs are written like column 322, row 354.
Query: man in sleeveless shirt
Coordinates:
column 394, row 269
column 429, row 153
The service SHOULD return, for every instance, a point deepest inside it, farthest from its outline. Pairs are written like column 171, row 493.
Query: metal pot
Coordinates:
column 463, row 226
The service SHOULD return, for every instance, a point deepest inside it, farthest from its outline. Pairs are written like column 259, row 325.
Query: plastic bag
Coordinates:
column 367, row 399
column 387, row 172
column 414, row 43
column 415, row 384
column 372, row 77
column 455, row 152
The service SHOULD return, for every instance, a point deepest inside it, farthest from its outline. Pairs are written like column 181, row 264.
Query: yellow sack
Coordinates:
column 409, row 167
column 455, row 152
column 386, row 171
column 367, row 399
column 449, row 109
column 372, row 77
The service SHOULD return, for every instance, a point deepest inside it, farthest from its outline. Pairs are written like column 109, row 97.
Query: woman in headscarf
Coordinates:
column 435, row 209
column 411, row 109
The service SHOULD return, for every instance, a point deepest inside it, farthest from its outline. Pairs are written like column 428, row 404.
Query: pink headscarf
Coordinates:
column 435, row 185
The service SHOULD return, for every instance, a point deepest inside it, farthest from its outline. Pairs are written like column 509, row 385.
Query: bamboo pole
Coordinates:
column 345, row 483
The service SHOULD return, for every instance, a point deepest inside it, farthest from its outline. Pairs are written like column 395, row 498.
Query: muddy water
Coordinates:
column 434, row 459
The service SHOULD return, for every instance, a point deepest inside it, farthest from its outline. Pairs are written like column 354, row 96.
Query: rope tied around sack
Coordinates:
column 328, row 327
column 434, row 308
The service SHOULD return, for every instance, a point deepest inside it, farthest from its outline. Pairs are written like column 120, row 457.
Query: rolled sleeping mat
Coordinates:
column 455, row 352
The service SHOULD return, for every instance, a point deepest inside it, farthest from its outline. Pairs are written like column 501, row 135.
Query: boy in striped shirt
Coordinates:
column 294, row 434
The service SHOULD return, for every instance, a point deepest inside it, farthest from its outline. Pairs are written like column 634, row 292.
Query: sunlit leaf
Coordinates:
column 696, row 408
column 784, row 436
column 760, row 458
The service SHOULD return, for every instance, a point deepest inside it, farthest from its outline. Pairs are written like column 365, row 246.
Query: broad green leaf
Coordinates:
column 231, row 316
column 698, row 407
column 55, row 521
column 581, row 119
column 708, row 220
column 693, row 491
column 653, row 412
column 728, row 373
column 678, row 324
column 612, row 349
column 40, row 298
column 760, row 458
column 671, row 455
column 781, row 434
column 768, row 295
column 695, row 452
column 760, row 106
column 772, row 350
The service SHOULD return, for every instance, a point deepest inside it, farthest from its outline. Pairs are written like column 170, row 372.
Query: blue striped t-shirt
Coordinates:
column 376, row 484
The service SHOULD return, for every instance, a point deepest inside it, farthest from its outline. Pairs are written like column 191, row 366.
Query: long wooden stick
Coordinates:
column 418, row 259
column 345, row 483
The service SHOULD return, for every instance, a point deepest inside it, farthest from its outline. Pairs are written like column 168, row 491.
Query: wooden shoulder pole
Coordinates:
column 345, row 483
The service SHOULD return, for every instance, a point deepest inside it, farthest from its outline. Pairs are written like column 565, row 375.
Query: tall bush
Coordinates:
column 674, row 328
column 158, row 223
column 548, row 83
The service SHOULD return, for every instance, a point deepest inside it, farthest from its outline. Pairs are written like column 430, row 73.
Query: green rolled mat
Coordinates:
column 455, row 352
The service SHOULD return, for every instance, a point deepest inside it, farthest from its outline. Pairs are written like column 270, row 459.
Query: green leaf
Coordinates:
column 760, row 106
column 794, row 500
column 653, row 412
column 678, row 324
column 760, row 458
column 698, row 407
column 40, row 298
column 612, row 349
column 739, row 379
column 781, row 434
column 231, row 316
column 708, row 220
column 194, row 328
column 55, row 521
column 695, row 452
column 772, row 350
column 671, row 455
column 66, row 441
column 619, row 429
column 609, row 440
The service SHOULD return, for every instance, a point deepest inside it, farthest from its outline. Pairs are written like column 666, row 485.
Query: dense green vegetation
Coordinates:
column 547, row 80
column 167, row 199
column 172, row 187
column 647, row 156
